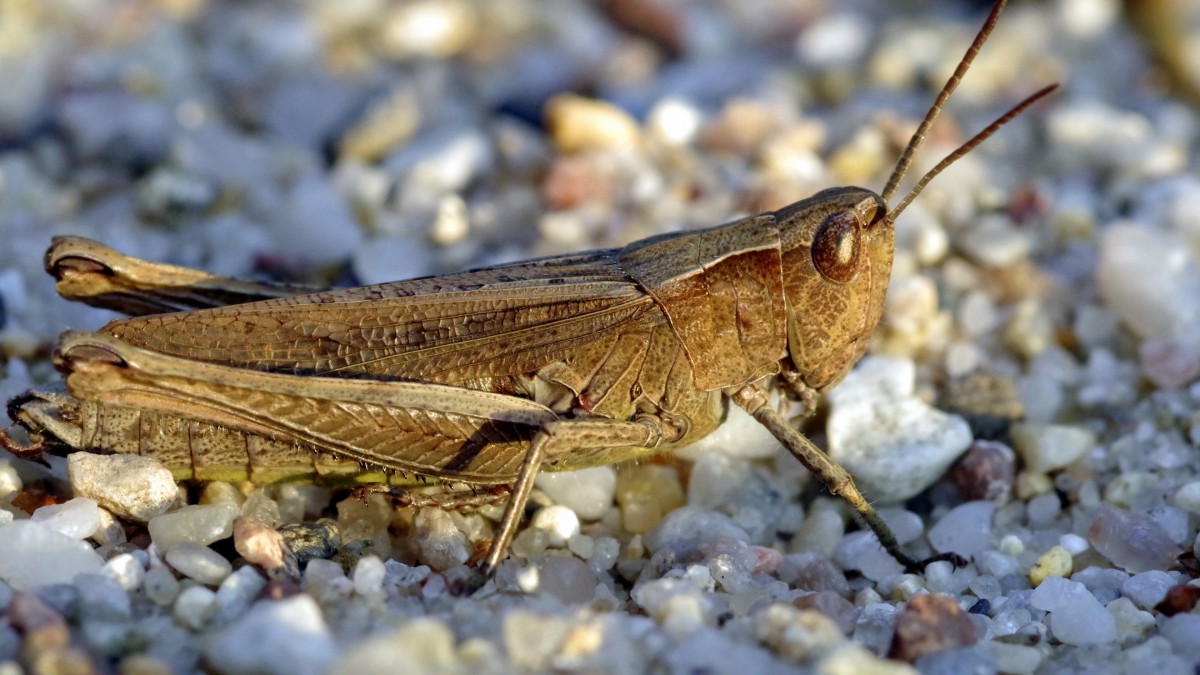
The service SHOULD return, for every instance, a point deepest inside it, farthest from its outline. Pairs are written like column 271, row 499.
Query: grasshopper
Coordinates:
column 489, row 376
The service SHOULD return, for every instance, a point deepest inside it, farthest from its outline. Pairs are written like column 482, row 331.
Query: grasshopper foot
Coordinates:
column 918, row 566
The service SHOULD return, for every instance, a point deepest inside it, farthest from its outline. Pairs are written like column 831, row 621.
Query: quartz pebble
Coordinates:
column 38, row 556
column 966, row 529
column 588, row 492
column 282, row 636
column 1047, row 447
column 199, row 524
column 77, row 519
column 1131, row 541
column 200, row 563
column 1076, row 617
column 133, row 487
column 894, row 444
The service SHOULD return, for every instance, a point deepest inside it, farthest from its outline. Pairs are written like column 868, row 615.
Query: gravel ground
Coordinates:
column 1031, row 401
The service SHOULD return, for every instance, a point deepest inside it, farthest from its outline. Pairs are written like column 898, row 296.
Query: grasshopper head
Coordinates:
column 837, row 259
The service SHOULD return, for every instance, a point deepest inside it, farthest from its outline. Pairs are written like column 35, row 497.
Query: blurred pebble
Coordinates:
column 236, row 593
column 1169, row 364
column 577, row 124
column 284, row 637
column 38, row 556
column 558, row 522
column 306, row 541
column 200, row 524
column 1131, row 542
column 931, row 624
column 894, row 444
column 199, row 563
column 78, row 518
column 1048, row 447
column 194, row 606
column 645, row 494
column 989, row 403
column 423, row 645
column 440, row 544
column 830, row 603
column 966, row 529
column 427, row 28
column 588, row 492
column 985, row 472
column 135, row 488
column 1076, row 616
column 388, row 122
column 1056, row 562
column 1150, row 278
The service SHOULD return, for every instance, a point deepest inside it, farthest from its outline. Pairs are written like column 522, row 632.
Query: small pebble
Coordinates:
column 38, row 556
column 966, row 529
column 576, row 124
column 558, row 522
column 1076, row 617
column 931, row 624
column 194, row 606
column 200, row 563
column 284, row 637
column 894, row 444
column 1047, row 447
column 1131, row 542
column 200, row 524
column 78, row 518
column 440, row 543
column 1055, row 562
column 135, row 488
column 260, row 545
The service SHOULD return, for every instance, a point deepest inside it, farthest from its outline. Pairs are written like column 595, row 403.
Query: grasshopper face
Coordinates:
column 837, row 260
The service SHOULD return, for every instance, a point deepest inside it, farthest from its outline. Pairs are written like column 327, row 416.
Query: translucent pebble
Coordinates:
column 423, row 645
column 1103, row 582
column 200, row 524
column 102, row 598
column 1076, row 616
column 194, row 607
column 1046, row 447
column 821, row 532
column 985, row 587
column 567, row 578
column 587, row 492
column 966, row 529
column 261, row 507
column 10, row 480
column 1169, row 364
column 160, row 585
column 78, row 518
column 558, row 522
column 1130, row 621
column 126, row 570
column 1183, row 632
column 686, row 529
column 646, row 494
column 1188, row 497
column 111, row 532
column 199, row 563
column 1147, row 589
column 1073, row 543
column 368, row 576
column 1015, row 658
column 1132, row 542
column 861, row 551
column 236, row 593
column 275, row 636
column 1150, row 278
column 36, row 556
column 133, row 487
column 440, row 543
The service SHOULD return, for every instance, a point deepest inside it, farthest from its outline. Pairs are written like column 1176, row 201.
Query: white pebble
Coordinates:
column 738, row 436
column 284, row 637
column 1188, row 497
column 160, row 585
column 37, row 556
column 441, row 544
column 194, row 607
column 894, row 444
column 966, row 529
column 1076, row 616
column 422, row 645
column 1046, row 447
column 199, row 563
column 133, row 487
column 1150, row 278
column 78, row 518
column 201, row 523
column 236, row 593
column 1073, row 543
column 558, row 522
column 588, row 492
column 1147, row 589
column 368, row 576
column 126, row 570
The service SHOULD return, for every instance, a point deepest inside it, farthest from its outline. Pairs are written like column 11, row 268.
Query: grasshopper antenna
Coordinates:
column 966, row 148
column 918, row 136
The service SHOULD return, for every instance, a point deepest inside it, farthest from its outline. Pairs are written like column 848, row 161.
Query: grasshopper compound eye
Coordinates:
column 837, row 247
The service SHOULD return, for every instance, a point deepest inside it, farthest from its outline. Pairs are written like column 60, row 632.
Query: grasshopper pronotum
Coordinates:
column 488, row 376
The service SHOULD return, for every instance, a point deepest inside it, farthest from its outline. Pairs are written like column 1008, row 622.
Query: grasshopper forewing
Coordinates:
column 490, row 376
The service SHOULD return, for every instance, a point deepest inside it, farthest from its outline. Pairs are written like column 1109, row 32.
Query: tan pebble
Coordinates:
column 577, row 124
column 1056, row 562
column 931, row 624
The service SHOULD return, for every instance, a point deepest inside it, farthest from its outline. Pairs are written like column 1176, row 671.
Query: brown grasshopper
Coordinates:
column 488, row 376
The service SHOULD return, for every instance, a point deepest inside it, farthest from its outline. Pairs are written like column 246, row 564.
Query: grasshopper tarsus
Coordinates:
column 29, row 452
